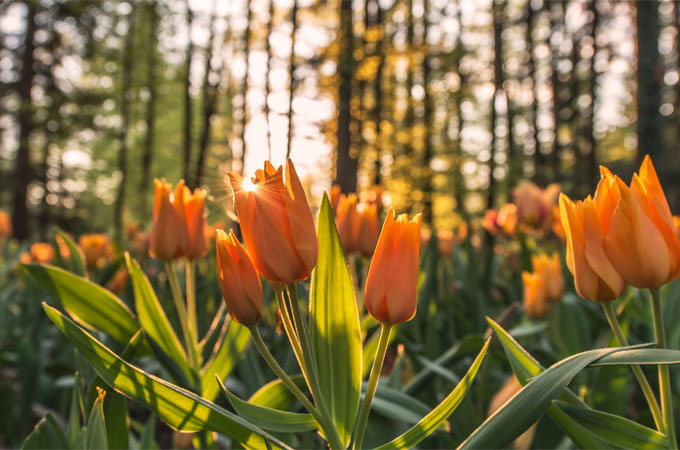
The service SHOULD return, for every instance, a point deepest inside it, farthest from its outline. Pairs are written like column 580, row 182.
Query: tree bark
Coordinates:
column 593, row 171
column 346, row 163
column 244, row 86
column 428, row 215
column 147, row 155
column 267, row 87
column 187, row 94
column 291, row 76
column 498, row 87
column 22, row 171
column 377, row 112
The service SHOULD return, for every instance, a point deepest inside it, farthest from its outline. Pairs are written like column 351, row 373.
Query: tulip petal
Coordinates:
column 402, row 290
column 376, row 282
column 300, row 219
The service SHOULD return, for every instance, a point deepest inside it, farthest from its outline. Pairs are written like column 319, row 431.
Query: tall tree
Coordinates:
column 555, row 85
column 458, row 97
column 650, row 81
column 498, row 88
column 377, row 86
column 244, row 85
column 291, row 77
column 592, row 172
column 346, row 164
column 267, row 85
column 539, row 159
column 125, row 97
column 187, row 92
column 22, row 172
column 427, row 121
column 147, row 155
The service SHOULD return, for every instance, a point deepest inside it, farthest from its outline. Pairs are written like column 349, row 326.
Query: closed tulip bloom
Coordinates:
column 336, row 192
column 595, row 277
column 168, row 239
column 640, row 238
column 5, row 225
column 550, row 271
column 277, row 224
column 194, row 211
column 238, row 279
column 507, row 218
column 97, row 249
column 535, row 301
column 369, row 229
column 391, row 285
column 348, row 220
column 529, row 200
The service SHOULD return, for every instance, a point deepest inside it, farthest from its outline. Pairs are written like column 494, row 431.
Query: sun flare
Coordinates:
column 249, row 186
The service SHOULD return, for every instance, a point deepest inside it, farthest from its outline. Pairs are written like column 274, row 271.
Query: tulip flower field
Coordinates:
column 548, row 323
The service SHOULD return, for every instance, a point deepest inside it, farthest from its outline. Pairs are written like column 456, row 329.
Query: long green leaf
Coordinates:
column 180, row 409
column 335, row 329
column 96, row 426
column 46, row 435
column 86, row 302
column 641, row 356
column 153, row 319
column 397, row 405
column 276, row 395
column 231, row 349
column 269, row 418
column 615, row 429
column 76, row 253
column 438, row 416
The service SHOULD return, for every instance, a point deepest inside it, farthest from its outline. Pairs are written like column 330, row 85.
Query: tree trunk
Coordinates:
column 377, row 112
column 125, row 122
column 22, row 172
column 187, row 94
column 147, row 156
column 539, row 158
column 209, row 101
column 267, row 87
column 428, row 215
column 291, row 76
column 650, row 71
column 498, row 87
column 590, row 124
column 347, row 163
column 244, row 86
column 556, row 101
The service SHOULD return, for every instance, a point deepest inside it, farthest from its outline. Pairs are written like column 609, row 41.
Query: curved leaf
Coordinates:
column 46, row 435
column 335, row 330
column 86, row 302
column 230, row 351
column 276, row 395
column 438, row 416
column 76, row 253
column 641, row 356
column 180, row 409
column 96, row 437
column 269, row 418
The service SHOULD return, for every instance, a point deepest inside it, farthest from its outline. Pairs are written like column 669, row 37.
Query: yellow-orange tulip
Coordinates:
column 676, row 224
column 336, row 193
column 194, row 211
column 97, row 249
column 168, row 239
column 550, row 271
column 391, row 285
column 535, row 301
column 348, row 221
column 534, row 205
column 118, row 282
column 375, row 197
column 507, row 218
column 595, row 278
column 5, row 225
column 277, row 224
column 238, row 279
column 369, row 229
column 40, row 252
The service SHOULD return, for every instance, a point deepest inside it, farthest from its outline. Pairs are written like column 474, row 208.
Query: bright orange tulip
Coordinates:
column 277, row 224
column 348, row 221
column 369, row 229
column 97, row 249
column 507, row 218
column 640, row 238
column 550, row 271
column 5, row 225
column 676, row 224
column 168, row 239
column 336, row 193
column 391, row 285
column 595, row 277
column 535, row 301
column 239, row 281
column 40, row 252
column 534, row 205
column 194, row 211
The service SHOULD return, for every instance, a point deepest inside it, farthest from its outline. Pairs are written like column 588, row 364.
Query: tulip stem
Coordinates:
column 664, row 374
column 637, row 370
column 290, row 331
column 372, row 386
column 308, row 356
column 181, row 310
column 192, row 323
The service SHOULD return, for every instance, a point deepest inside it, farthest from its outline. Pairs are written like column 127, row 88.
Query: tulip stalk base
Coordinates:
column 181, row 313
column 664, row 373
column 372, row 386
column 637, row 370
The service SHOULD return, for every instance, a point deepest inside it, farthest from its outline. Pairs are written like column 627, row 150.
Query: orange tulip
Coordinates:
column 195, row 219
column 507, row 218
column 348, row 221
column 550, row 271
column 118, row 282
column 277, row 224
column 369, row 229
column 640, row 237
column 535, row 301
column 391, row 285
column 336, row 193
column 238, row 279
column 5, row 225
column 595, row 277
column 97, row 249
column 40, row 252
column 168, row 239
column 676, row 224
column 534, row 205
column 375, row 197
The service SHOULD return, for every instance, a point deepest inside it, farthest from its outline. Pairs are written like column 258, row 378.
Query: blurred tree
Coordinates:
column 291, row 76
column 147, row 155
column 187, row 92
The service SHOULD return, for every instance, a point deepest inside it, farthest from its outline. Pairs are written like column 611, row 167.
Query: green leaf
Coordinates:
column 76, row 253
column 115, row 413
column 335, row 330
column 269, row 418
column 580, row 435
column 641, row 356
column 146, row 439
column 616, row 430
column 180, row 409
column 153, row 319
column 46, row 435
column 96, row 425
column 230, row 351
column 74, row 428
column 276, row 395
column 397, row 405
column 438, row 415
column 86, row 302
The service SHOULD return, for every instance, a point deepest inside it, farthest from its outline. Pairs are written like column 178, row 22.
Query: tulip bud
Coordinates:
column 550, row 271
column 535, row 302
column 5, row 225
column 336, row 193
column 168, row 239
column 391, row 285
column 507, row 218
column 277, row 224
column 238, row 279
column 194, row 211
column 348, row 222
column 369, row 229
